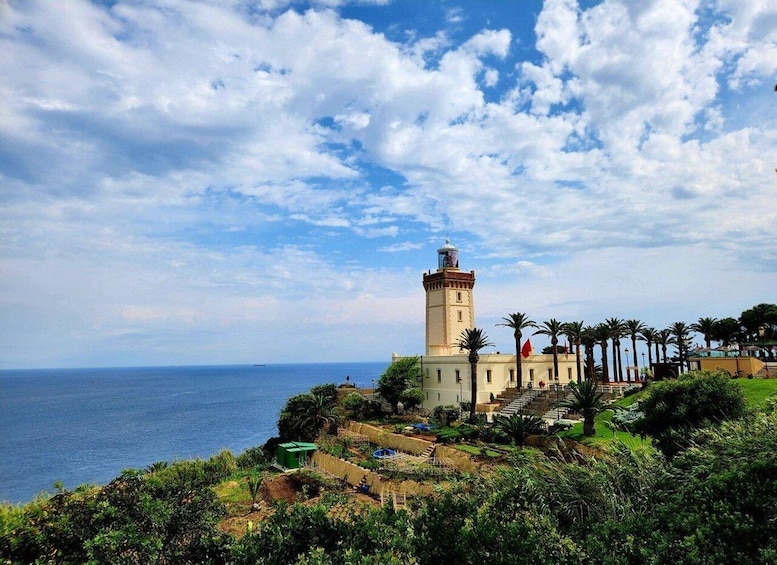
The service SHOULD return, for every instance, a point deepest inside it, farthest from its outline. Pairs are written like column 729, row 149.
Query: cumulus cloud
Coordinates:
column 244, row 157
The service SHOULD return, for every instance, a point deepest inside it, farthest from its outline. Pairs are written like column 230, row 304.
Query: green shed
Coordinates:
column 294, row 454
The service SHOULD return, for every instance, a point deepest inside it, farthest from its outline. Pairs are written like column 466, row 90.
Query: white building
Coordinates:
column 450, row 309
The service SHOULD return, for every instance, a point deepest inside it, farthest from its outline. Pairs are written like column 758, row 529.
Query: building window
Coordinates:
column 550, row 374
column 569, row 373
column 438, row 396
column 457, row 398
column 458, row 296
column 488, row 375
column 461, row 317
column 512, row 375
column 458, row 376
column 427, row 396
column 439, row 376
column 531, row 374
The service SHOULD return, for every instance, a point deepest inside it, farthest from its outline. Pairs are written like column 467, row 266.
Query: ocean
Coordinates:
column 86, row 425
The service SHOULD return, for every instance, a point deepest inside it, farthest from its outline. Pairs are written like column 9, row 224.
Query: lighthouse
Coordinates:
column 450, row 308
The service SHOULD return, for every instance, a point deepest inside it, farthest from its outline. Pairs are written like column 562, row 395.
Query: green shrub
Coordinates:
column 448, row 435
column 445, row 415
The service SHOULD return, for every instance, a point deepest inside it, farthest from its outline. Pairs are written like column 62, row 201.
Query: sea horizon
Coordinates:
column 86, row 425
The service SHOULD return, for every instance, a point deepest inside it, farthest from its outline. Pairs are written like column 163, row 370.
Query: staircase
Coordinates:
column 429, row 451
column 519, row 403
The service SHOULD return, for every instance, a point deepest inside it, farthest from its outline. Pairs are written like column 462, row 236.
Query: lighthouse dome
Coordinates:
column 447, row 256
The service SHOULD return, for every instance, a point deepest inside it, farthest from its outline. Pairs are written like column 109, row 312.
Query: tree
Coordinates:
column 588, row 339
column 601, row 333
column 681, row 331
column 517, row 428
column 473, row 340
column 706, row 327
column 673, row 409
column 518, row 321
column 759, row 316
column 305, row 415
column 587, row 401
column 574, row 331
column 760, row 324
column 649, row 335
column 617, row 331
column 398, row 377
column 634, row 327
column 551, row 328
column 411, row 397
column 726, row 331
column 664, row 339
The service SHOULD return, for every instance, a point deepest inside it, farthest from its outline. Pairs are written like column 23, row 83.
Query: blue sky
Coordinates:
column 189, row 182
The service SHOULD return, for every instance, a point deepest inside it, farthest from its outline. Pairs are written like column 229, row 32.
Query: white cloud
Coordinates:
column 185, row 166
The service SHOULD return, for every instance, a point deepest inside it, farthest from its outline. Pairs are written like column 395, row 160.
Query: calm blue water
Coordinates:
column 87, row 425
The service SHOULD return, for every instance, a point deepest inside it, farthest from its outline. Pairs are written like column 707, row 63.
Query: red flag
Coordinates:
column 526, row 349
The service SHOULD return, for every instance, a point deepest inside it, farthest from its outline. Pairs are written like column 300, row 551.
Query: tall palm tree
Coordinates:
column 633, row 327
column 601, row 333
column 587, row 401
column 664, row 338
column 574, row 332
column 706, row 327
column 616, row 333
column 473, row 340
column 681, row 331
column 552, row 328
column 649, row 335
column 588, row 339
column 519, row 321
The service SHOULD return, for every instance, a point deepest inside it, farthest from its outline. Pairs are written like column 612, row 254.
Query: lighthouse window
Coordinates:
column 439, row 375
column 512, row 375
column 531, row 374
column 488, row 375
column 458, row 296
column 458, row 376
column 460, row 316
column 569, row 373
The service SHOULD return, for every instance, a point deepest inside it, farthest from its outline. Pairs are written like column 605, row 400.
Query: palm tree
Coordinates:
column 706, row 327
column 518, row 428
column 664, row 338
column 616, row 333
column 680, row 331
column 254, row 485
column 552, row 328
column 473, row 340
column 633, row 327
column 574, row 332
column 601, row 333
column 587, row 401
column 649, row 335
column 588, row 339
column 519, row 321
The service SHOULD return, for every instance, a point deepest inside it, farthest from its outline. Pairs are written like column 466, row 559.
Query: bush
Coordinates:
column 354, row 402
column 448, row 435
column 673, row 409
column 251, row 458
column 445, row 415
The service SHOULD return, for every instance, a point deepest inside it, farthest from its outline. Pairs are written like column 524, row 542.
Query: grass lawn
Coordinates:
column 758, row 391
column 604, row 432
column 473, row 450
